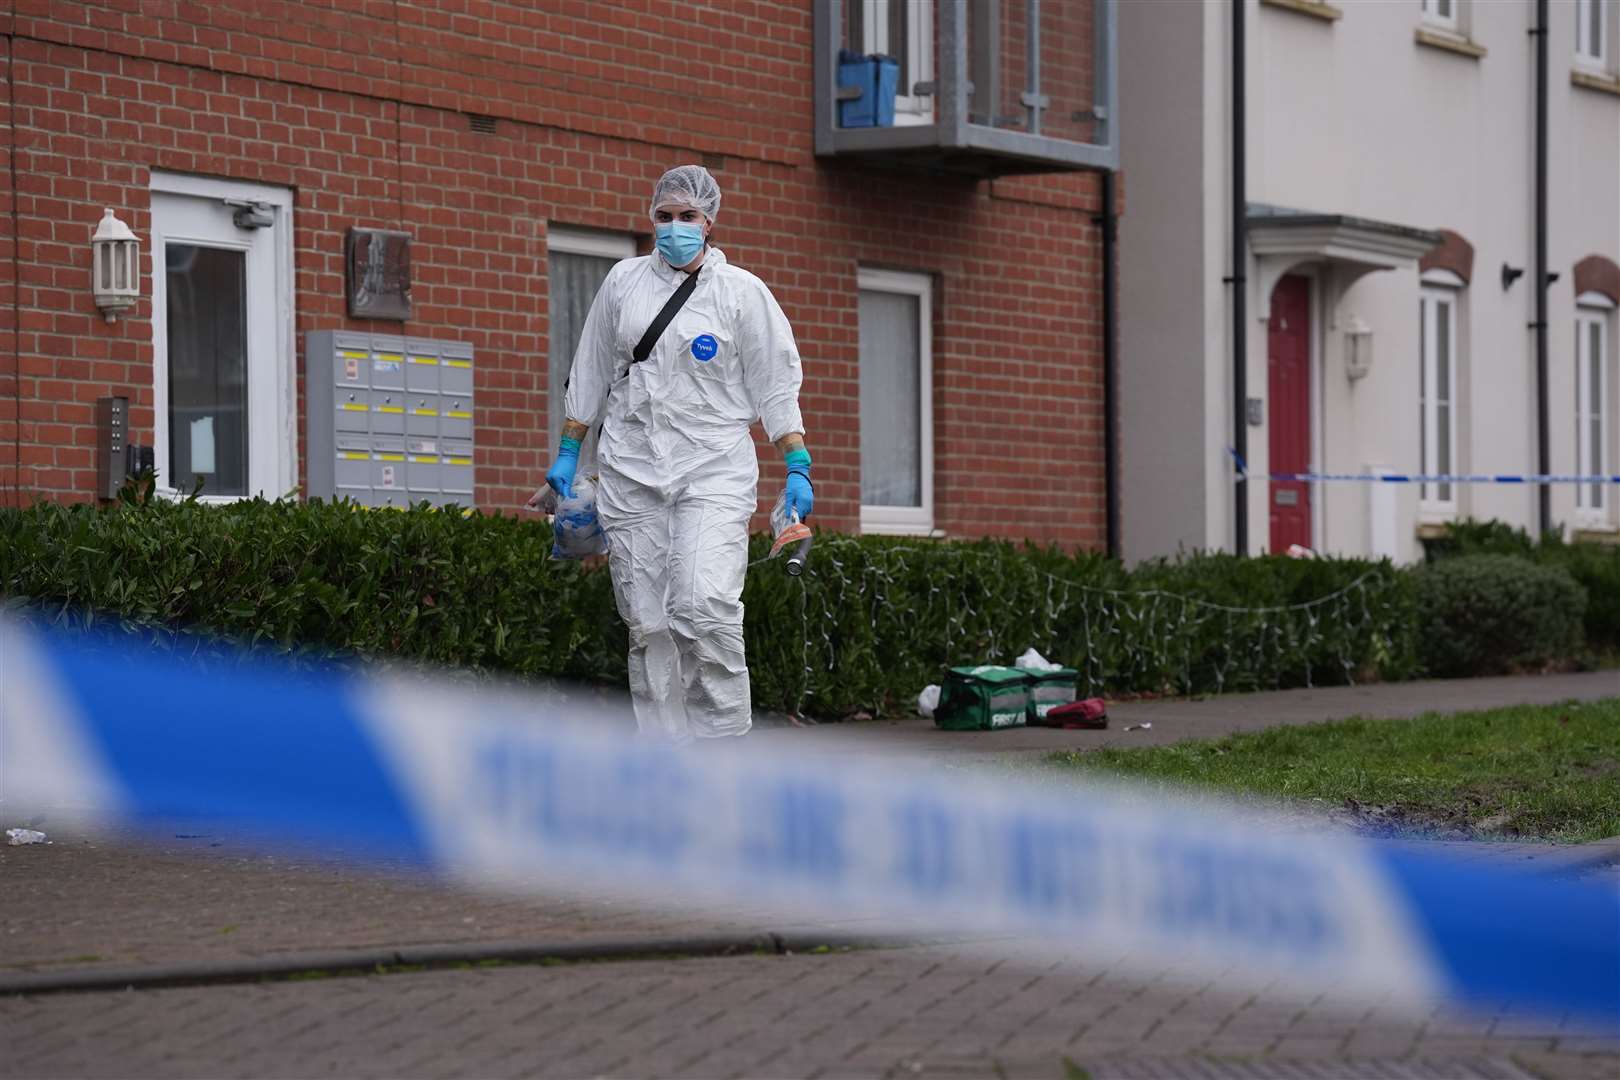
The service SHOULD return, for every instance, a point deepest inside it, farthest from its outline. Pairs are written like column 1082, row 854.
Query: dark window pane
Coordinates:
column 207, row 331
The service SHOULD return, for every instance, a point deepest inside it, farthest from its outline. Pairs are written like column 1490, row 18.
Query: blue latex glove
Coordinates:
column 800, row 495
column 561, row 474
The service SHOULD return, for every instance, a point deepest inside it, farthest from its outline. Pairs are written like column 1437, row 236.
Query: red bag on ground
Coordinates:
column 1087, row 713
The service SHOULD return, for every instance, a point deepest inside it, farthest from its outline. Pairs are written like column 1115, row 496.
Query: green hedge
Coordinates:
column 882, row 617
column 1495, row 614
column 873, row 621
column 1596, row 567
column 320, row 579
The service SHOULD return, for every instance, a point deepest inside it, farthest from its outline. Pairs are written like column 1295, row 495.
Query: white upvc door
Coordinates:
column 224, row 397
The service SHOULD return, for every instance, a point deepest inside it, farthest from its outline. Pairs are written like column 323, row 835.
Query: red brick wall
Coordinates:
column 362, row 115
column 9, row 448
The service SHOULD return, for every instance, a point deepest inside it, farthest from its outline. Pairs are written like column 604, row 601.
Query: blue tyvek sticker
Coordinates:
column 704, row 347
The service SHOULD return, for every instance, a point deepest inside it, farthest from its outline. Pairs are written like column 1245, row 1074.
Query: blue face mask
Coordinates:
column 679, row 241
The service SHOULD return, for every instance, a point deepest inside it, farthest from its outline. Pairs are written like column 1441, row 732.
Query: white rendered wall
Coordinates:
column 1355, row 117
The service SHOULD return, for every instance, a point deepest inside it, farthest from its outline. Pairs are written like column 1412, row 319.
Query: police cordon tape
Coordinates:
column 1421, row 478
column 1440, row 478
column 515, row 791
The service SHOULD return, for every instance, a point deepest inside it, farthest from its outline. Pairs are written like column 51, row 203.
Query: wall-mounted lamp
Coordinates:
column 1358, row 348
column 1510, row 274
column 115, row 267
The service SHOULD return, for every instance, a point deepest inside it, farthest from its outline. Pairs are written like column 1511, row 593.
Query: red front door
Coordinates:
column 1288, row 351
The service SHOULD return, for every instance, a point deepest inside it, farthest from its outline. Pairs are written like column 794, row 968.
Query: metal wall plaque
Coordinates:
column 378, row 268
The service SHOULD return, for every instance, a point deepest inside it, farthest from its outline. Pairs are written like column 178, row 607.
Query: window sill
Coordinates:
column 1597, row 534
column 1451, row 43
column 1313, row 8
column 881, row 526
column 1434, row 527
column 1604, row 84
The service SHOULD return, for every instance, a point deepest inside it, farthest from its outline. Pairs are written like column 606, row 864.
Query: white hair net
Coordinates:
column 687, row 185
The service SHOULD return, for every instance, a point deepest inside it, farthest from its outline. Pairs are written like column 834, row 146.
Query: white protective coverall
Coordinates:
column 679, row 476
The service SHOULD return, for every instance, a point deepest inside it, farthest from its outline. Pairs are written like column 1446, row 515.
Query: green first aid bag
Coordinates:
column 1049, row 689
column 983, row 698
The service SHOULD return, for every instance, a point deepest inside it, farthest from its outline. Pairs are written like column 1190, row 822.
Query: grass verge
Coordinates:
column 1523, row 773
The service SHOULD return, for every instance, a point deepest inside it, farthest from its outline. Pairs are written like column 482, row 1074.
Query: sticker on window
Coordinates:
column 704, row 347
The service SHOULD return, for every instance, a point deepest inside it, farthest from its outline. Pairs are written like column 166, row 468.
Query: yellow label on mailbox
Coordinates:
column 459, row 415
column 391, row 408
column 459, row 363
column 458, row 461
column 425, row 460
column 354, row 406
column 389, row 457
column 355, row 457
column 434, row 360
column 425, row 412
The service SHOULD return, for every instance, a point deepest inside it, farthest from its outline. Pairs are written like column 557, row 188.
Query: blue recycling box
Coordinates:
column 878, row 78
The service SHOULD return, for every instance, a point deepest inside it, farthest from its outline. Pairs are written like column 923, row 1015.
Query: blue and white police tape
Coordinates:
column 507, row 792
column 1422, row 478
column 1440, row 478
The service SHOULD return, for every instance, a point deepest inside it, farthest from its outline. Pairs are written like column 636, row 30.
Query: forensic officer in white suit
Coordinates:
column 678, row 472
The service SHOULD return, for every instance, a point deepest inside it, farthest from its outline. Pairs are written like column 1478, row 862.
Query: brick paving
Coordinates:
column 931, row 1011
column 118, row 898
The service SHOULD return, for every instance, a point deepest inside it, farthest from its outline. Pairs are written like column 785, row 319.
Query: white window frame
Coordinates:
column 573, row 240
column 1451, row 20
column 270, row 475
column 1439, row 286
column 1593, row 309
column 909, row 108
column 899, row 520
column 1589, row 54
column 598, row 242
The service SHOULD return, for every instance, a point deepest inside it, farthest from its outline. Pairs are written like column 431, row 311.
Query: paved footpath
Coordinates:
column 112, row 904
column 1179, row 719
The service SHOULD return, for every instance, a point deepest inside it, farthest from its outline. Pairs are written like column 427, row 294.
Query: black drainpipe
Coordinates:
column 1544, row 465
column 1110, row 225
column 1240, row 326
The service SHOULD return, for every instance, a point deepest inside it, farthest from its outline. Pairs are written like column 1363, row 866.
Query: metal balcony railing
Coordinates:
column 987, row 87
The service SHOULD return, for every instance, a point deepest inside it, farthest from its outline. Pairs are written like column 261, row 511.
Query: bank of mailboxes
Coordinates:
column 390, row 419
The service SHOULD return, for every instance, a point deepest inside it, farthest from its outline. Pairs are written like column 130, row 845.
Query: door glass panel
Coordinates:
column 1595, row 404
column 1424, row 457
column 891, row 400
column 207, row 343
column 1442, row 394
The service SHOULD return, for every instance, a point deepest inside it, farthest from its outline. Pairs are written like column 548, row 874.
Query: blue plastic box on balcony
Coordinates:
column 877, row 79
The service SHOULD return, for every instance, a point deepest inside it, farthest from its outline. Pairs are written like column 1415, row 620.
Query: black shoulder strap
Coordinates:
column 644, row 347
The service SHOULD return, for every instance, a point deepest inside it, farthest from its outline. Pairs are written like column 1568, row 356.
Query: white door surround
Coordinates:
column 203, row 212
